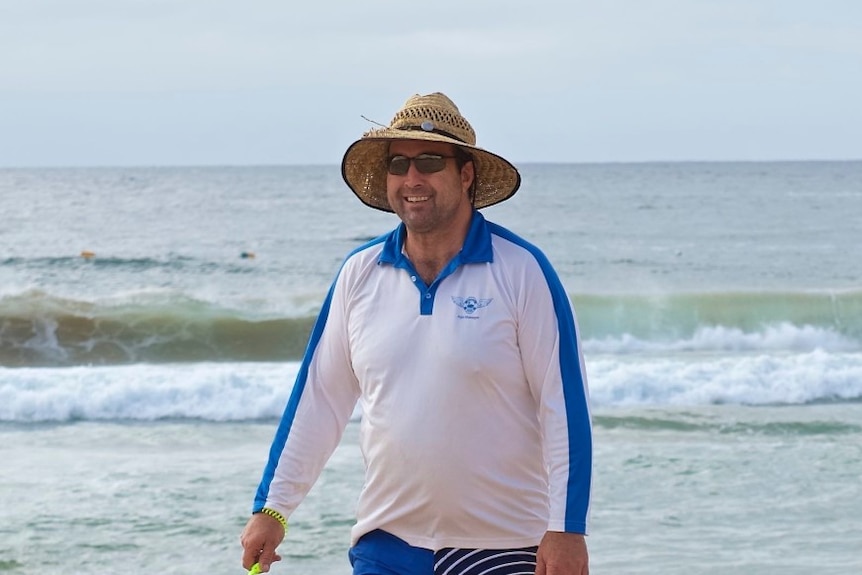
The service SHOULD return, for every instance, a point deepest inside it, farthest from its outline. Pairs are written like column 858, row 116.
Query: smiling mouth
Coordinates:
column 412, row 199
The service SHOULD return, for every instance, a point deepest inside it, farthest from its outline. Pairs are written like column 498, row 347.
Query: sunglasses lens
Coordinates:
column 398, row 165
column 430, row 164
column 426, row 164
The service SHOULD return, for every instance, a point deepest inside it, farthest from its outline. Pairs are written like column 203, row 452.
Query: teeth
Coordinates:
column 417, row 198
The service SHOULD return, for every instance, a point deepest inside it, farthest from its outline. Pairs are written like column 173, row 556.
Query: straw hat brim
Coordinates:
column 364, row 168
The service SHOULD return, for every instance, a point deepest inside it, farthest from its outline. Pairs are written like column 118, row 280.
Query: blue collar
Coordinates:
column 476, row 248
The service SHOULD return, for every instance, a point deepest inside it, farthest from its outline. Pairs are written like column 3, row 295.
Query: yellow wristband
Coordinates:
column 276, row 515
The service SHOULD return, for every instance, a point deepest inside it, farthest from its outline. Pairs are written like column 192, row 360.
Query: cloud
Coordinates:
column 213, row 81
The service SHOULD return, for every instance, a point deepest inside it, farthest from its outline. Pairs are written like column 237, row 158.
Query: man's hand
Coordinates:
column 260, row 538
column 562, row 554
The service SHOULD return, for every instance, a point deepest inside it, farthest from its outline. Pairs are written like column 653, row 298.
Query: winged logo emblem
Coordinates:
column 470, row 304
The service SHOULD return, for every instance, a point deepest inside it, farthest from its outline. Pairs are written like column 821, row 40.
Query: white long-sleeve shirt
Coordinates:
column 475, row 426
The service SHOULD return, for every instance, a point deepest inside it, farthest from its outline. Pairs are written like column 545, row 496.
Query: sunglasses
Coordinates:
column 425, row 164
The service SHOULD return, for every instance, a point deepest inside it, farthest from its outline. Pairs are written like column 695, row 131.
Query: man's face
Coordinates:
column 428, row 202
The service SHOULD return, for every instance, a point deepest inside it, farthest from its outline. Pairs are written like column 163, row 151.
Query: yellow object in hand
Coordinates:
column 255, row 569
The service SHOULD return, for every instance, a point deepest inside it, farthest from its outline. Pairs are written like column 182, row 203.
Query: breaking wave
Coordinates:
column 39, row 329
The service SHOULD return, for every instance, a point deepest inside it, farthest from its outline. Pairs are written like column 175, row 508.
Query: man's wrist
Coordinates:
column 275, row 515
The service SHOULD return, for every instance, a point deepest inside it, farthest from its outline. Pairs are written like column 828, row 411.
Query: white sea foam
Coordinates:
column 756, row 379
column 783, row 336
column 209, row 391
column 249, row 391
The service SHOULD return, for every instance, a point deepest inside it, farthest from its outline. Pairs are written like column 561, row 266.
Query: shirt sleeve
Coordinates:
column 321, row 403
column 554, row 367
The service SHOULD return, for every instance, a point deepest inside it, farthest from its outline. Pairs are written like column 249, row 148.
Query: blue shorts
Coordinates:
column 381, row 553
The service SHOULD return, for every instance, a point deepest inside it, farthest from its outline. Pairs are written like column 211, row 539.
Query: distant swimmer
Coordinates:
column 247, row 255
column 87, row 254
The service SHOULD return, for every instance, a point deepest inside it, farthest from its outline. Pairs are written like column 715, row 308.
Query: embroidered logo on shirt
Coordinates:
column 470, row 304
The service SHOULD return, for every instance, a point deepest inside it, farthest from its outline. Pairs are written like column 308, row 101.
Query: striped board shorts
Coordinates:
column 381, row 553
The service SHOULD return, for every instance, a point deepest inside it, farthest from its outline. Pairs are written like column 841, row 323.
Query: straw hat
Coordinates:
column 433, row 118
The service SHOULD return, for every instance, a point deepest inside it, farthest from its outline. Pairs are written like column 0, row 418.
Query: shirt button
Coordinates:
column 413, row 278
column 427, row 296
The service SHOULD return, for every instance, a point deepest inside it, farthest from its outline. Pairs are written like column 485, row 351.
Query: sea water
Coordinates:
column 152, row 320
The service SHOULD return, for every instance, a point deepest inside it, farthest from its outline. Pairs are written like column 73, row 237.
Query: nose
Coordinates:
column 413, row 177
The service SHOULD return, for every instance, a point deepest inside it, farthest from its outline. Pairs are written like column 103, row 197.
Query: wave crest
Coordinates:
column 40, row 329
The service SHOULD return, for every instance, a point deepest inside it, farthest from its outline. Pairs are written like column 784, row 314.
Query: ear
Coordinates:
column 468, row 174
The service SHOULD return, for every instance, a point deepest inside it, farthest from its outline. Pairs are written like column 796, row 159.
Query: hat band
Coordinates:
column 435, row 131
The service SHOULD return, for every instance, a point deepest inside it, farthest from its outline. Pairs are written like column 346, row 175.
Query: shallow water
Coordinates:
column 720, row 312
column 689, row 490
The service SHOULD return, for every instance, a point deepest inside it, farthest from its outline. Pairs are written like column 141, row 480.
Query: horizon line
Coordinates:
column 337, row 164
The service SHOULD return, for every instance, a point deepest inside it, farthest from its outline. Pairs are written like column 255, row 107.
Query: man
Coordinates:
column 459, row 342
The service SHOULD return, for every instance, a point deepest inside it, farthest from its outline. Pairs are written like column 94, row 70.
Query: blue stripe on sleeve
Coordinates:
column 574, row 391
column 292, row 404
column 287, row 417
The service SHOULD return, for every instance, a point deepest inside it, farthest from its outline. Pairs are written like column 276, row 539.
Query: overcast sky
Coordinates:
column 217, row 82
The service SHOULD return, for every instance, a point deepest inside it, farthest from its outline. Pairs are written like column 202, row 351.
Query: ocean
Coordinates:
column 152, row 321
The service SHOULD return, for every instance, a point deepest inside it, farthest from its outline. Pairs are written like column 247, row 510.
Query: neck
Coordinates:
column 430, row 252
